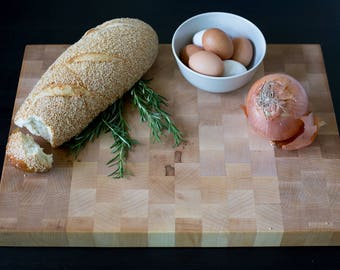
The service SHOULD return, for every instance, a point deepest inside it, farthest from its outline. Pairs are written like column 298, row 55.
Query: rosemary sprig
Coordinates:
column 149, row 105
column 122, row 141
column 112, row 120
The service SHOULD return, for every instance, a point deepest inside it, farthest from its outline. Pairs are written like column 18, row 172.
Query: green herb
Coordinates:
column 149, row 106
column 122, row 141
column 112, row 120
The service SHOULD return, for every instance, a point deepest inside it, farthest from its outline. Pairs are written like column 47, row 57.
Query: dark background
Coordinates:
column 60, row 22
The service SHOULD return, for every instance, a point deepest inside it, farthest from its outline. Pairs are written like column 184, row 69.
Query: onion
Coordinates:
column 277, row 106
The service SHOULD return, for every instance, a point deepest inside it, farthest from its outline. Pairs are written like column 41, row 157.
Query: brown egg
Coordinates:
column 187, row 51
column 206, row 63
column 243, row 50
column 218, row 42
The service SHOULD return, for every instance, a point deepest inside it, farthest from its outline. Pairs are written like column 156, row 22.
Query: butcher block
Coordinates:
column 224, row 186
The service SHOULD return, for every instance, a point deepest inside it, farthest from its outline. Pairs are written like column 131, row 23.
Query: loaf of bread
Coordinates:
column 26, row 154
column 88, row 77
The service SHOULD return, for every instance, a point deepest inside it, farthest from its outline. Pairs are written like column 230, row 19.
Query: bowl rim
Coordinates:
column 220, row 77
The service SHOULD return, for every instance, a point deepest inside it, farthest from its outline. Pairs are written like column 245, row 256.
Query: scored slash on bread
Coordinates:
column 26, row 154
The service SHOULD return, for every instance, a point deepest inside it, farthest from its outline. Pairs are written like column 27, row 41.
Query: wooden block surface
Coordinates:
column 224, row 186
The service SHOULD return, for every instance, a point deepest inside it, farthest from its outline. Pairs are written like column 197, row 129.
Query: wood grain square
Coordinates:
column 16, row 177
column 291, row 194
column 288, row 169
column 320, row 101
column 272, row 66
column 266, row 190
column 30, row 216
column 293, row 53
column 140, row 152
column 314, row 190
column 82, row 202
column 188, row 152
column 212, row 163
column 51, row 53
column 293, row 218
column 188, row 124
column 333, row 191
column 188, row 204
column 210, row 114
column 35, row 52
column 214, row 217
column 34, row 191
column 280, row 153
column 9, row 203
column 263, row 163
column 240, row 183
column 24, row 85
column 187, row 176
column 298, row 69
column 158, row 160
column 137, row 128
column 161, row 218
column 238, row 171
column 135, row 203
column 56, row 206
column 232, row 102
column 107, row 217
column 317, row 83
column 269, row 218
column 32, row 69
column 329, row 146
column 136, row 174
column 312, row 151
column 108, row 190
column 258, row 143
column 185, row 103
column 241, row 204
column 210, row 137
column 204, row 97
column 235, row 126
column 62, row 185
column 236, row 150
column 331, row 127
column 213, row 189
column 161, row 189
column 84, row 175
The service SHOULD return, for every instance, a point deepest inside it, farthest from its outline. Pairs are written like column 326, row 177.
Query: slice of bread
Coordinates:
column 24, row 153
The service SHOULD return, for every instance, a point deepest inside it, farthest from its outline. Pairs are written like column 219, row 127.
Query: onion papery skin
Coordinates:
column 274, row 105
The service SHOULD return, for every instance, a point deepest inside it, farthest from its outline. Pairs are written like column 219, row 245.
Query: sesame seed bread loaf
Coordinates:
column 88, row 77
column 27, row 155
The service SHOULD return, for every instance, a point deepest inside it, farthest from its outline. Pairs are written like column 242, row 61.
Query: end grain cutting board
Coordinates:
column 224, row 187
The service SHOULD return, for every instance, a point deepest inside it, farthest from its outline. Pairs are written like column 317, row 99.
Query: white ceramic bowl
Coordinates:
column 235, row 26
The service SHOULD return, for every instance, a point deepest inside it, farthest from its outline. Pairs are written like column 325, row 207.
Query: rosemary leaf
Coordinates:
column 122, row 142
column 149, row 105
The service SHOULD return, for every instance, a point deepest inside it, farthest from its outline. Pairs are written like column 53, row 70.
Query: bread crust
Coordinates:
column 88, row 77
column 18, row 156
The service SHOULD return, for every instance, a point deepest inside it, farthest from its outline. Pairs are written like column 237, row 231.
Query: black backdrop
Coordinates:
column 60, row 22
